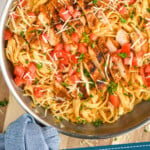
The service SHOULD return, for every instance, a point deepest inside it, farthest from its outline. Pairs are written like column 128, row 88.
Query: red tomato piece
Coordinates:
column 126, row 48
column 93, row 37
column 64, row 14
column 19, row 71
column 70, row 9
column 19, row 81
column 44, row 38
column 67, row 47
column 74, row 78
column 74, row 59
column 7, row 34
column 22, row 3
column 58, row 77
column 59, row 26
column 114, row 100
column 82, row 48
column 38, row 92
column 76, row 14
column 59, row 47
column 32, row 68
column 127, row 61
column 122, row 10
column 143, row 75
column 31, row 14
column 13, row 15
column 75, row 37
column 147, row 69
column 131, row 2
column 134, row 61
column 28, row 77
column 72, row 71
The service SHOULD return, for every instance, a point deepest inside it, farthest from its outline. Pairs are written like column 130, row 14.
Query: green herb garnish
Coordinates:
column 122, row 55
column 123, row 20
column 86, row 37
column 97, row 123
column 39, row 66
column 22, row 34
column 70, row 31
column 144, row 86
column 80, row 95
column 132, row 15
column 112, row 87
column 27, row 61
column 95, row 2
column 86, row 73
column 4, row 102
column 93, row 45
column 61, row 118
column 148, row 9
column 64, row 84
column 81, row 57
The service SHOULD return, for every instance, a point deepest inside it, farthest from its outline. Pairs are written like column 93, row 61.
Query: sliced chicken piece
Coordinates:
column 43, row 19
column 123, row 72
column 122, row 37
column 52, row 38
column 61, row 91
column 112, row 45
column 139, row 42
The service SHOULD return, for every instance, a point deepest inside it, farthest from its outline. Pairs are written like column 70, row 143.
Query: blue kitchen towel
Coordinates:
column 26, row 134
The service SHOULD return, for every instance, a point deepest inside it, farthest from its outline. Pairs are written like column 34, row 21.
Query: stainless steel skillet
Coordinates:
column 126, row 123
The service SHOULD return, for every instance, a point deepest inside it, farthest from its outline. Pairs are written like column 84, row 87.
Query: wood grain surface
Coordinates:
column 139, row 135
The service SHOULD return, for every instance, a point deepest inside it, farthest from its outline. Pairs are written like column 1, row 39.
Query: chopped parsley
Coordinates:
column 95, row 2
column 122, row 55
column 112, row 87
column 123, row 20
column 86, row 37
column 144, row 86
column 132, row 15
column 4, row 102
column 78, row 70
column 78, row 118
column 36, row 81
column 80, row 95
column 86, row 73
column 61, row 118
column 93, row 45
column 39, row 66
column 26, row 61
column 97, row 123
column 64, row 84
column 148, row 9
column 149, row 99
column 70, row 31
column 81, row 57
column 22, row 34
column 129, row 95
column 91, row 96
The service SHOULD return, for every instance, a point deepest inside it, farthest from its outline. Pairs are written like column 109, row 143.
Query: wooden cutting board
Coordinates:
column 142, row 134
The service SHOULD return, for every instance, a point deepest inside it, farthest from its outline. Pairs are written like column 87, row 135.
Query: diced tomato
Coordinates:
column 74, row 78
column 74, row 59
column 44, row 38
column 19, row 81
column 147, row 69
column 59, row 26
column 19, row 71
column 114, row 100
column 127, row 61
column 143, row 75
column 72, row 71
column 122, row 10
column 32, row 68
column 31, row 14
column 65, row 59
column 28, row 77
column 7, row 34
column 75, row 37
column 14, row 15
column 58, row 77
column 70, row 9
column 37, row 92
column 22, row 3
column 131, row 2
column 126, row 48
column 93, row 37
column 59, row 47
column 67, row 47
column 82, row 48
column 64, row 14
column 76, row 14
column 134, row 61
